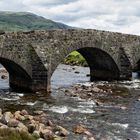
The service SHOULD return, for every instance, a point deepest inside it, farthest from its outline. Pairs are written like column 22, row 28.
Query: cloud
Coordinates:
column 113, row 15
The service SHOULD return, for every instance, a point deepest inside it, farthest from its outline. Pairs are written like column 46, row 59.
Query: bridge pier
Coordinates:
column 22, row 85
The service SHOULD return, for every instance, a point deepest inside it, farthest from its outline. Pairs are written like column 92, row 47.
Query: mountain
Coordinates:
column 25, row 21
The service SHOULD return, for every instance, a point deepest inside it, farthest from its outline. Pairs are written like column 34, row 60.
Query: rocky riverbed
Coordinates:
column 99, row 110
column 100, row 92
column 38, row 125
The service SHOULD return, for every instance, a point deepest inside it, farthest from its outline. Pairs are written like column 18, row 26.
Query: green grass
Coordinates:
column 75, row 58
column 24, row 21
column 8, row 134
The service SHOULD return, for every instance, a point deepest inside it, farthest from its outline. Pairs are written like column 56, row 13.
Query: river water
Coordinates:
column 115, row 119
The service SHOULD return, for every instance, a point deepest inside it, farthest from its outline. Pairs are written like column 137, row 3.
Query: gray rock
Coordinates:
column 6, row 117
column 24, row 112
column 62, row 131
column 47, row 134
column 28, row 117
column 38, row 112
column 13, row 123
column 22, row 127
column 3, row 127
column 96, row 89
column 36, row 134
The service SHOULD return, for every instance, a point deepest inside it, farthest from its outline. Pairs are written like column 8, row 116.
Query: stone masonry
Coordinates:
column 32, row 57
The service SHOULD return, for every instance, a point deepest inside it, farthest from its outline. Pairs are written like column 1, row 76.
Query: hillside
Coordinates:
column 19, row 21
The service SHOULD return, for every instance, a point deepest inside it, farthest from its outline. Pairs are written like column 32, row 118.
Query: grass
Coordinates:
column 75, row 58
column 8, row 134
column 24, row 21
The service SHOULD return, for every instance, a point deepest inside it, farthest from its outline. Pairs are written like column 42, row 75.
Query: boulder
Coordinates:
column 24, row 112
column 3, row 126
column 22, row 127
column 62, row 131
column 46, row 134
column 36, row 134
column 6, row 117
column 13, row 123
column 79, row 129
column 40, row 126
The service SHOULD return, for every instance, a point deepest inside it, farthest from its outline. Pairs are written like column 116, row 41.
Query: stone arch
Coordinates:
column 62, row 48
column 19, row 79
column 20, row 70
column 102, row 64
column 136, row 57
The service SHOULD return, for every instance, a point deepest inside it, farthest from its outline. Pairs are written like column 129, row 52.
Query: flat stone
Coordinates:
column 38, row 112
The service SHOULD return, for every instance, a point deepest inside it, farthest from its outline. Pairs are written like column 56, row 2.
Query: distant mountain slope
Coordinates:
column 19, row 21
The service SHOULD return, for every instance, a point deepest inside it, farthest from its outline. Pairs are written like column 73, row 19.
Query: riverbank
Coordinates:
column 75, row 59
column 22, row 125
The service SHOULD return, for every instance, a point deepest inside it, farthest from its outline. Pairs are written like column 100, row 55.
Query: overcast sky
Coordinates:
column 113, row 15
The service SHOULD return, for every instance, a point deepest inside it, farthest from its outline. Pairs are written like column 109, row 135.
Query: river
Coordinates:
column 115, row 119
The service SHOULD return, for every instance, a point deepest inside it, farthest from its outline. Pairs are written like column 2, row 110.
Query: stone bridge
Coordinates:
column 32, row 57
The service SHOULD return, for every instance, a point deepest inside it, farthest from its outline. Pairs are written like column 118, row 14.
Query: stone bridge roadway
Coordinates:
column 32, row 57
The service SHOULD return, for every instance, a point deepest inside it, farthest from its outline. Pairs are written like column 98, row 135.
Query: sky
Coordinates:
column 111, row 15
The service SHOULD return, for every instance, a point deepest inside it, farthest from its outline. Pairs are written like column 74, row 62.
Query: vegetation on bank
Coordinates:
column 75, row 58
column 9, row 134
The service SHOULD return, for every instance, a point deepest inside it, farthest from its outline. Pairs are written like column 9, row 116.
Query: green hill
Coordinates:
column 24, row 21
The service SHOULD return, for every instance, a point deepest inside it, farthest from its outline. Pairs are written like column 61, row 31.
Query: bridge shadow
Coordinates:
column 11, row 72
